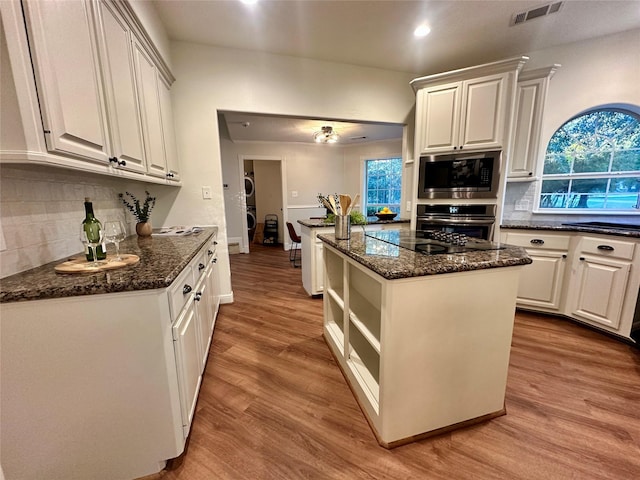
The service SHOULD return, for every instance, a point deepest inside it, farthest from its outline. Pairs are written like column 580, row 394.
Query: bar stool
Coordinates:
column 295, row 248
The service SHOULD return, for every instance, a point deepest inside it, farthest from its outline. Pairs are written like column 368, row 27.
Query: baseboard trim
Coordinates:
column 227, row 298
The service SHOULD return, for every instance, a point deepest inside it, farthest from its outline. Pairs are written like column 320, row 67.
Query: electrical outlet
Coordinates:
column 294, row 194
column 408, row 207
column 206, row 193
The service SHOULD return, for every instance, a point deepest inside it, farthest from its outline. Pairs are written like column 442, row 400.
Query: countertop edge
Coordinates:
column 568, row 228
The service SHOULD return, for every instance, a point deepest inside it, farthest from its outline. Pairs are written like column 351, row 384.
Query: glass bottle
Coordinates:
column 92, row 227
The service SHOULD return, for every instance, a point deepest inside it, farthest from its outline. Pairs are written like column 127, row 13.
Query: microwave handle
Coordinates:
column 457, row 221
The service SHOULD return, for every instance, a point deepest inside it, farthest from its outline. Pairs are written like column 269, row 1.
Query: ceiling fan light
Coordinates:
column 326, row 135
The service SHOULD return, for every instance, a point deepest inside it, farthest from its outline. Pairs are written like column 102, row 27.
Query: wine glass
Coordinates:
column 114, row 232
column 92, row 235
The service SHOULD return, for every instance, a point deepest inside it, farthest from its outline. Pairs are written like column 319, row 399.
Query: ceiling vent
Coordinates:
column 541, row 11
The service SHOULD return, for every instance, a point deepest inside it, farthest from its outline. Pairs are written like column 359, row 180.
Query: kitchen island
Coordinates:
column 100, row 372
column 422, row 340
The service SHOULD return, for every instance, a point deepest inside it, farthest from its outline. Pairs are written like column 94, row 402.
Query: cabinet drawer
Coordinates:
column 199, row 264
column 607, row 247
column 548, row 241
column 180, row 291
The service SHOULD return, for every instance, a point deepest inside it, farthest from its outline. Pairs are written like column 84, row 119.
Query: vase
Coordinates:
column 143, row 229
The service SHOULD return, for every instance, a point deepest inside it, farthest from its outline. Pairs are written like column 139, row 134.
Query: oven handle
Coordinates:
column 456, row 221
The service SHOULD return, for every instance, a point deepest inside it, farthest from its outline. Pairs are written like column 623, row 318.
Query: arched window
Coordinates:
column 593, row 163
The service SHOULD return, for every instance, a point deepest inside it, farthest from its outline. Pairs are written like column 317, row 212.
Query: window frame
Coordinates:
column 364, row 178
column 570, row 177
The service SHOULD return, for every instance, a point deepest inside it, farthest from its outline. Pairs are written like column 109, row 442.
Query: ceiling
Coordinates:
column 379, row 34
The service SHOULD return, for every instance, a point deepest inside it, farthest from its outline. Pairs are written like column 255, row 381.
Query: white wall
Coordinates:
column 597, row 72
column 211, row 79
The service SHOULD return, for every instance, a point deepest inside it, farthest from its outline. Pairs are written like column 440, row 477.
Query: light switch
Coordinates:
column 294, row 193
column 206, row 193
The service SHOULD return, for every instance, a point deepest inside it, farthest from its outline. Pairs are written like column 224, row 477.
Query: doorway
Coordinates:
column 264, row 188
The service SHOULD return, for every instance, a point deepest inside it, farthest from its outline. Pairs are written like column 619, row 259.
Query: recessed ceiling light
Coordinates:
column 249, row 2
column 422, row 31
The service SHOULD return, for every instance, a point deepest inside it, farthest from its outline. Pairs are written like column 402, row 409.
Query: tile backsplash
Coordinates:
column 41, row 209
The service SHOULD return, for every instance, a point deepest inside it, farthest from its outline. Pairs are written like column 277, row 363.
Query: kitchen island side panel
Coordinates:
column 446, row 341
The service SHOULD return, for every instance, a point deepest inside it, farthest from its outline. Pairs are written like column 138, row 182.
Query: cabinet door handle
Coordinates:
column 537, row 241
column 607, row 248
column 201, row 266
column 170, row 175
column 215, row 260
column 122, row 163
column 197, row 296
column 215, row 243
column 209, row 252
column 186, row 289
column 582, row 258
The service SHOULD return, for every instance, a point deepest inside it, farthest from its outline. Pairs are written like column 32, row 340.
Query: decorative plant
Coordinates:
column 357, row 218
column 142, row 213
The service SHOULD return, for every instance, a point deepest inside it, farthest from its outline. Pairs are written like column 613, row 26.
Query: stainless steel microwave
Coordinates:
column 460, row 175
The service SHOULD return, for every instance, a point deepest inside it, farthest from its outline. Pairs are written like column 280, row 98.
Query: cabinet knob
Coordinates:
column 530, row 173
column 198, row 296
column 113, row 160
column 606, row 248
column 564, row 255
column 215, row 260
column 582, row 259
column 215, row 243
column 537, row 241
column 201, row 266
column 122, row 163
column 209, row 252
column 455, row 148
column 170, row 175
column 186, row 289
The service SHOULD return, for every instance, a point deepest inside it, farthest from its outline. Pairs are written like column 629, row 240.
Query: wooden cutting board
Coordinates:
column 80, row 264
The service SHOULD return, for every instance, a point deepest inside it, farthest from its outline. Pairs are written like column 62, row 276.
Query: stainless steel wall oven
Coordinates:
column 472, row 220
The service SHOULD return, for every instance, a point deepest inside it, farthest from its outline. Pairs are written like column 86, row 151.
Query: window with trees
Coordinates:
column 383, row 180
column 592, row 163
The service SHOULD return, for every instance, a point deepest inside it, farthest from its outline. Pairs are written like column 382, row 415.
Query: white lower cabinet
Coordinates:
column 187, row 350
column 111, row 379
column 601, row 281
column 586, row 277
column 541, row 283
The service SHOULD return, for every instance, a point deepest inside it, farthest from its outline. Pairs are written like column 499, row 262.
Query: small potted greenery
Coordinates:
column 142, row 212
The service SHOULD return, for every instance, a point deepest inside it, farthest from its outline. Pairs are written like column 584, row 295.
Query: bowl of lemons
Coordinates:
column 386, row 214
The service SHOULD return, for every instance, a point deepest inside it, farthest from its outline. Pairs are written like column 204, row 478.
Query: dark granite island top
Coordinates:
column 161, row 260
column 393, row 262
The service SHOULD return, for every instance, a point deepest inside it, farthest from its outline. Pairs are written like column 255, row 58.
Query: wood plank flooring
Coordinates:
column 274, row 405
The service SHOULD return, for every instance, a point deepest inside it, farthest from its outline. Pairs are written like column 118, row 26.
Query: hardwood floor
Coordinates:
column 274, row 405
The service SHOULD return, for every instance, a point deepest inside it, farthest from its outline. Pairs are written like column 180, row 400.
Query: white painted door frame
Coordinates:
column 244, row 248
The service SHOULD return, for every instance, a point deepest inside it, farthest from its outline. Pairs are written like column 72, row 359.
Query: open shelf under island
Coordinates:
column 422, row 340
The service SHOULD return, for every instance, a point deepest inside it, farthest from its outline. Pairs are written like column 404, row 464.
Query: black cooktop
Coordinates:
column 433, row 242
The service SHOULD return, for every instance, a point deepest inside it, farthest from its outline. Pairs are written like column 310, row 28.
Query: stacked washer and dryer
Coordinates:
column 250, row 196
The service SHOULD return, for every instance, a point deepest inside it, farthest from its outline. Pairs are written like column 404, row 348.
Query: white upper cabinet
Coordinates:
column 70, row 91
column 467, row 109
column 102, row 90
column 151, row 118
column 531, row 94
column 120, row 88
column 168, row 132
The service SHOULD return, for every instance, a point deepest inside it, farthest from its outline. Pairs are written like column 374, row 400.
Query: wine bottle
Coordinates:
column 92, row 227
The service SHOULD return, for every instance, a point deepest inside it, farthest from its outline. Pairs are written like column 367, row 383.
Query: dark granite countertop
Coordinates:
column 392, row 262
column 161, row 260
column 320, row 223
column 561, row 226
